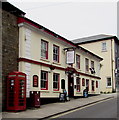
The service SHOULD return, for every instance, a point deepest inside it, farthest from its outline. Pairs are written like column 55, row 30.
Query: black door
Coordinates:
column 70, row 86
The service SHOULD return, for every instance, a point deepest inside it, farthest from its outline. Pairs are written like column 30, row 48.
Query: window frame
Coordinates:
column 104, row 47
column 110, row 82
column 58, row 56
column 78, row 62
column 93, row 85
column 46, row 88
column 87, row 81
column 86, row 65
column 97, row 84
column 78, row 84
column 83, row 81
column 58, row 82
column 92, row 64
column 46, row 51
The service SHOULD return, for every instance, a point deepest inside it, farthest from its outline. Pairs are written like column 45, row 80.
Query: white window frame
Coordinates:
column 104, row 47
column 86, row 65
column 44, row 80
column 56, row 53
column 44, row 49
column 56, row 80
column 107, row 82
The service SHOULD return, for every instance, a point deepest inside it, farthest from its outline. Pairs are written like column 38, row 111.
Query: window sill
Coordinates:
column 46, row 60
column 45, row 91
column 78, row 69
column 78, row 92
column 56, row 91
column 104, row 51
column 93, row 92
column 109, row 87
column 87, row 72
column 56, row 63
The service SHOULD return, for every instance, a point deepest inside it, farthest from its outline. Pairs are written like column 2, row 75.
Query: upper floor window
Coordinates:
column 44, row 80
column 92, row 69
column 55, row 53
column 86, row 65
column 104, row 46
column 78, row 61
column 56, row 81
column 44, row 49
column 92, row 64
column 109, row 82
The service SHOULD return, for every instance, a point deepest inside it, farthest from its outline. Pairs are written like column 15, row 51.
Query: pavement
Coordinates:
column 49, row 110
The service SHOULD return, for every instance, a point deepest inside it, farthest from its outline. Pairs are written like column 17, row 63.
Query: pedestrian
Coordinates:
column 65, row 94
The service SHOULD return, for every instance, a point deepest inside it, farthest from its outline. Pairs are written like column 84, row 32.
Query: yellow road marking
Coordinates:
column 62, row 114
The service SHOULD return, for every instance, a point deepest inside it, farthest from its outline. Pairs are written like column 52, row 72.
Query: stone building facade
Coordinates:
column 10, row 42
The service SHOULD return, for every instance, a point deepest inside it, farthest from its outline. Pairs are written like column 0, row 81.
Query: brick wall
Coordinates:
column 10, row 48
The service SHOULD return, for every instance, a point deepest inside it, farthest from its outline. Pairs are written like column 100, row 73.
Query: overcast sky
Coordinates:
column 72, row 19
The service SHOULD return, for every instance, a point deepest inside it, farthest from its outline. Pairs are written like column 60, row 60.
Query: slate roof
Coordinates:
column 93, row 38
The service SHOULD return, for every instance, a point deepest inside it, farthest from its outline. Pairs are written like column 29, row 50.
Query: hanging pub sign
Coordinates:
column 70, row 57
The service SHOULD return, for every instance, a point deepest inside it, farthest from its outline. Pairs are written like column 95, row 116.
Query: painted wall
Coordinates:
column 108, row 63
column 30, row 48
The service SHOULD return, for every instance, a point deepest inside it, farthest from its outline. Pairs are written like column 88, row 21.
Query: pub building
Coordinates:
column 53, row 63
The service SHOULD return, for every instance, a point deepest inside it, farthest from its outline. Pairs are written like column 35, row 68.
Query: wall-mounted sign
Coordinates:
column 35, row 81
column 70, row 57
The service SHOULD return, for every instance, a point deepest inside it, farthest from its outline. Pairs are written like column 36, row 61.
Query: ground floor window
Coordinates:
column 55, row 81
column 83, row 82
column 96, row 84
column 93, row 87
column 109, row 82
column 44, row 80
column 78, row 84
column 87, row 84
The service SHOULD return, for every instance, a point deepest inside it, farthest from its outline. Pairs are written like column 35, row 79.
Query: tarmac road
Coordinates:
column 104, row 109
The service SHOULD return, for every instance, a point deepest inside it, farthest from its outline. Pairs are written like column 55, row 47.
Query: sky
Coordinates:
column 72, row 19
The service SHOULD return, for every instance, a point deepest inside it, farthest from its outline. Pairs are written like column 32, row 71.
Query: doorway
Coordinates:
column 71, row 85
column 87, row 84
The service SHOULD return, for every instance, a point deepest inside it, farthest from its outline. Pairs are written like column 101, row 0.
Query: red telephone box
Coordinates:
column 16, row 91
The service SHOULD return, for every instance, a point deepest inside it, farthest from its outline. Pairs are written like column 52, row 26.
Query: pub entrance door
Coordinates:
column 70, row 86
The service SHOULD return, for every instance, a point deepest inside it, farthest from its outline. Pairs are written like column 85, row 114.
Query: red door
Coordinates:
column 70, row 86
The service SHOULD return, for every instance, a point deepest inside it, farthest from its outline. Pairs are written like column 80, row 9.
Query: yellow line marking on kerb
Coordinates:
column 62, row 114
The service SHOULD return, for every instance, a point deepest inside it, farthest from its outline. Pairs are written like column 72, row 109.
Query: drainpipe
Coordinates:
column 112, row 67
